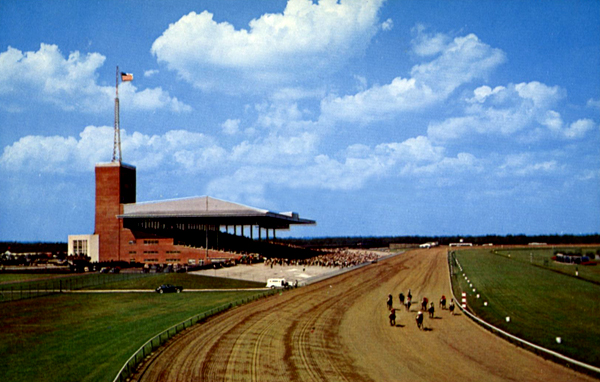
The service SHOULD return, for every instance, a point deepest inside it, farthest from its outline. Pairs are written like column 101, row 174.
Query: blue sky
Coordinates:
column 372, row 118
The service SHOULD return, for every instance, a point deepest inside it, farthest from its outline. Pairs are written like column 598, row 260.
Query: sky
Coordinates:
column 374, row 118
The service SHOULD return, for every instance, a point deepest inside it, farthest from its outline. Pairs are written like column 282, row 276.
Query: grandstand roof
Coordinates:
column 206, row 209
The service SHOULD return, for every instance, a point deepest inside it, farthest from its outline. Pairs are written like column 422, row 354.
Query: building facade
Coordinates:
column 190, row 231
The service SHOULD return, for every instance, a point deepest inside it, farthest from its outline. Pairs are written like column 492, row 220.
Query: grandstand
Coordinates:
column 189, row 231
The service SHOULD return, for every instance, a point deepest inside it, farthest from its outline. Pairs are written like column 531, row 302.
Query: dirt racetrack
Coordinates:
column 338, row 330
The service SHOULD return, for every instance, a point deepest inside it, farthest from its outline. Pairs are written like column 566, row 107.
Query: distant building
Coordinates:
column 84, row 245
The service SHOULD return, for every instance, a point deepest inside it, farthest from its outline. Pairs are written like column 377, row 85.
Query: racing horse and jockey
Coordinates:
column 424, row 303
column 390, row 302
column 419, row 320
column 451, row 307
column 392, row 317
column 443, row 302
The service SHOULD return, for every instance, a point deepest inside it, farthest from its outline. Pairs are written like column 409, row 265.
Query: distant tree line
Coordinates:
column 16, row 247
column 385, row 241
column 360, row 241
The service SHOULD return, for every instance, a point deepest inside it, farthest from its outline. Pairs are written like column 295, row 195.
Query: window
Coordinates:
column 150, row 242
column 80, row 247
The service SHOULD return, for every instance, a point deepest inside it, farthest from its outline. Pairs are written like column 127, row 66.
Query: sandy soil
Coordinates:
column 337, row 330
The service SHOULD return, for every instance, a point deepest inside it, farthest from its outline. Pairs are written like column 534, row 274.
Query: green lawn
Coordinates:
column 542, row 257
column 187, row 281
column 21, row 277
column 25, row 287
column 542, row 304
column 88, row 337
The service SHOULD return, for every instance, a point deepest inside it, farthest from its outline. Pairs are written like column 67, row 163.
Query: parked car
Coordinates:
column 168, row 288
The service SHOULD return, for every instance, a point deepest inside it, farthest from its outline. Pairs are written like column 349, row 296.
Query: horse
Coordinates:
column 389, row 302
column 431, row 310
column 407, row 304
column 424, row 303
column 401, row 297
column 419, row 320
column 451, row 307
column 443, row 302
column 392, row 317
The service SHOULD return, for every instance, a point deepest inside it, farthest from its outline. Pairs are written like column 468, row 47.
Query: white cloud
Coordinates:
column 278, row 48
column 508, row 110
column 361, row 82
column 460, row 61
column 425, row 44
column 352, row 170
column 387, row 25
column 579, row 128
column 231, row 126
column 150, row 73
column 379, row 102
column 483, row 92
column 542, row 96
column 276, row 150
column 55, row 154
column 526, row 164
column 150, row 99
column 593, row 103
column 69, row 83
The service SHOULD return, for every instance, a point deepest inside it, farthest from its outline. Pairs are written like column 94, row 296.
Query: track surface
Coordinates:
column 337, row 330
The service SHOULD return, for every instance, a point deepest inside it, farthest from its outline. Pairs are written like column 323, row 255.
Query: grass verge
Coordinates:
column 89, row 337
column 542, row 304
column 187, row 281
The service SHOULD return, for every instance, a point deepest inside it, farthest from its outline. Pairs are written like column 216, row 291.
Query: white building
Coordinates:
column 84, row 245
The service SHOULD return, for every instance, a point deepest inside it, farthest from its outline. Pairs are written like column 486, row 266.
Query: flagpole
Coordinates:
column 117, row 138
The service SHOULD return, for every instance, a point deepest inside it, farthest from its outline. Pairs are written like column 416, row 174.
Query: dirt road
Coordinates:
column 338, row 330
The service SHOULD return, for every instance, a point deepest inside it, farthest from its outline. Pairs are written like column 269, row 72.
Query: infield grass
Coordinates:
column 6, row 278
column 186, row 280
column 542, row 304
column 88, row 337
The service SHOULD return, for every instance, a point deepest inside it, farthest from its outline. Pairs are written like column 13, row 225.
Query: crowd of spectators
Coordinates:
column 337, row 258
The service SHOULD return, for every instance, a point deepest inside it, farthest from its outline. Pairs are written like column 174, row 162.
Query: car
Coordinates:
column 168, row 288
column 277, row 283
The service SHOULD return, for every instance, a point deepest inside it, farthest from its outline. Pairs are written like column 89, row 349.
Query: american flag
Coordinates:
column 126, row 77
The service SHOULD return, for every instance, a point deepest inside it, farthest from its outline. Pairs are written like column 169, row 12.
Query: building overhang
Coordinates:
column 206, row 210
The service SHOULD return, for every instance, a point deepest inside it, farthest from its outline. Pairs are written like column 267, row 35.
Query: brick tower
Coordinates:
column 115, row 186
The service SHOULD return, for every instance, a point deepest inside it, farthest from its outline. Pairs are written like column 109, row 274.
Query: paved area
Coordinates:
column 261, row 272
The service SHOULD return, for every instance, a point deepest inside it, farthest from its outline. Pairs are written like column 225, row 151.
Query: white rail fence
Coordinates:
column 158, row 340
